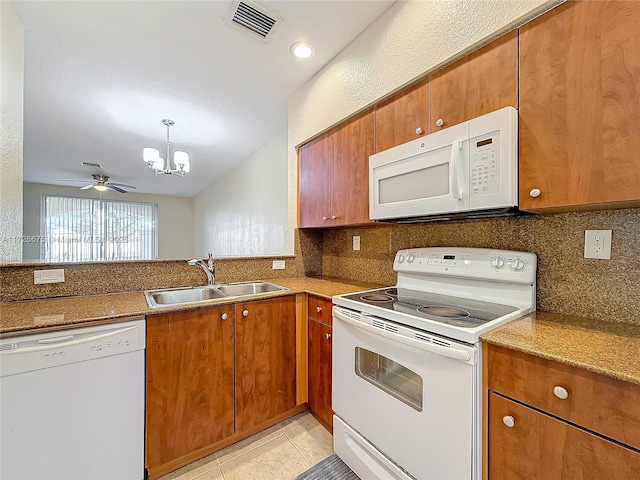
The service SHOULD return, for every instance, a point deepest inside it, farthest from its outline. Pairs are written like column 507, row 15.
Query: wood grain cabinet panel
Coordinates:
column 541, row 447
column 265, row 360
column 320, row 350
column 483, row 81
column 334, row 175
column 580, row 107
column 315, row 182
column 404, row 116
column 190, row 382
column 551, row 420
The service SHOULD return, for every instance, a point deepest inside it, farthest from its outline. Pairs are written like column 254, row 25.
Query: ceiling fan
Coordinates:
column 101, row 183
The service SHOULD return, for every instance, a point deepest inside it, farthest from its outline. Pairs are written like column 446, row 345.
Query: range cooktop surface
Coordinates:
column 461, row 312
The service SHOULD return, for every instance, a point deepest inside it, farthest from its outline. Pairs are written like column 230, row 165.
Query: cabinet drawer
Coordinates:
column 527, row 444
column 320, row 309
column 603, row 404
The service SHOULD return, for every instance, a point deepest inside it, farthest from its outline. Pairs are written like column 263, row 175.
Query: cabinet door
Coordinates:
column 538, row 446
column 265, row 361
column 189, row 383
column 315, row 183
column 403, row 117
column 580, row 107
column 320, row 371
column 484, row 81
column 352, row 145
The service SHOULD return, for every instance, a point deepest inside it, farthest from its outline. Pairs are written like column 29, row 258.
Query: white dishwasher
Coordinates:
column 72, row 404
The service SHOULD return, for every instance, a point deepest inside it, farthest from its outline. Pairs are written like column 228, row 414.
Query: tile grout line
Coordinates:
column 297, row 450
column 253, row 447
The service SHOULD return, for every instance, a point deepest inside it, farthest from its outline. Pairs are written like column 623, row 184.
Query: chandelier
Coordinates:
column 156, row 163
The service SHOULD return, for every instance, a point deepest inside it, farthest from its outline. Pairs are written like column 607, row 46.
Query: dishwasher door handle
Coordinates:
column 47, row 341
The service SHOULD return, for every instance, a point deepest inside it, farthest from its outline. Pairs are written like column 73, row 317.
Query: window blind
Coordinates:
column 84, row 230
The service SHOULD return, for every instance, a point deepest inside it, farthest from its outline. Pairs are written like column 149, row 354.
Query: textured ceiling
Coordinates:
column 100, row 77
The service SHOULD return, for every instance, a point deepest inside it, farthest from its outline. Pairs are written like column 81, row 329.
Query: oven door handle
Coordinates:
column 450, row 352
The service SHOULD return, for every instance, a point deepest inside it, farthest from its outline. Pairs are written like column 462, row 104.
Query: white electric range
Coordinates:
column 407, row 360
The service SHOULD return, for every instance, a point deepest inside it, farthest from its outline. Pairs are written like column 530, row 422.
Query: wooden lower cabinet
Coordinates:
column 190, row 382
column 265, row 360
column 215, row 376
column 539, row 446
column 320, row 341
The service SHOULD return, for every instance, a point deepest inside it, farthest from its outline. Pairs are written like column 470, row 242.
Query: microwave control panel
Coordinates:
column 485, row 164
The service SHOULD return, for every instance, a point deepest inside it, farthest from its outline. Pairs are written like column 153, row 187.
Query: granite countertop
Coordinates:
column 605, row 347
column 57, row 313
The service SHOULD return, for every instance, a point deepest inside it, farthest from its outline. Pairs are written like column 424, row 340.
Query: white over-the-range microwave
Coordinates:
column 467, row 170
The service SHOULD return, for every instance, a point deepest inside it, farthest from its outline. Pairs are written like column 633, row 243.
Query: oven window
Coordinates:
column 390, row 377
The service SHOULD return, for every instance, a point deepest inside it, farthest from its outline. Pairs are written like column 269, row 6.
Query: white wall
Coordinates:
column 408, row 40
column 245, row 212
column 175, row 217
column 11, row 107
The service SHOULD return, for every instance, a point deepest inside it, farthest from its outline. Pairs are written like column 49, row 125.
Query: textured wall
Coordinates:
column 408, row 40
column 567, row 282
column 11, row 106
column 245, row 212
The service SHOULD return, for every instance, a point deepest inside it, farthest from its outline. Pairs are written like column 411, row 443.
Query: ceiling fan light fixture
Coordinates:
column 156, row 163
column 100, row 187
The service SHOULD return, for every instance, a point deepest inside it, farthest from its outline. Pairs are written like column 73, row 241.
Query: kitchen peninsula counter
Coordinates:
column 31, row 316
column 604, row 347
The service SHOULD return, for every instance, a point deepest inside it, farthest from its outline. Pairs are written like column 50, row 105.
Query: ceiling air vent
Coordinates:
column 251, row 17
column 89, row 164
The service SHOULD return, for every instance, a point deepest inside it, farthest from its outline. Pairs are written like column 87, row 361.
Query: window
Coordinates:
column 85, row 230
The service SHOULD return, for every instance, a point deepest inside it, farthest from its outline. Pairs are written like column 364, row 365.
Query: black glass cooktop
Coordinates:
column 451, row 310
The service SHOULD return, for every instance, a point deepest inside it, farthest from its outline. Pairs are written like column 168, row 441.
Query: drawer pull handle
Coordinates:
column 318, row 309
column 509, row 421
column 560, row 392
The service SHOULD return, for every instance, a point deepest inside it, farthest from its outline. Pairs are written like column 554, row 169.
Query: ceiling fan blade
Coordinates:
column 117, row 189
column 71, row 180
column 86, row 187
column 121, row 185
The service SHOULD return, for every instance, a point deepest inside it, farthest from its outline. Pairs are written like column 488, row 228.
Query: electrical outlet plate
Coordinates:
column 48, row 276
column 278, row 265
column 356, row 242
column 597, row 244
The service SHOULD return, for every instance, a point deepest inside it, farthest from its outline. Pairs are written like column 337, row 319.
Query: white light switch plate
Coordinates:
column 48, row 276
column 356, row 242
column 597, row 244
column 278, row 265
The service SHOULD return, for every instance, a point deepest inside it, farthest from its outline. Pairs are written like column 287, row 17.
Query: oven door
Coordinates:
column 412, row 400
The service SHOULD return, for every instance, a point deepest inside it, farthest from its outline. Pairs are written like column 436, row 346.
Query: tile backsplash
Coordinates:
column 567, row 282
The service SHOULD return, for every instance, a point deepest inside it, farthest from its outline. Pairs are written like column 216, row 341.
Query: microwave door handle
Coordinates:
column 456, row 189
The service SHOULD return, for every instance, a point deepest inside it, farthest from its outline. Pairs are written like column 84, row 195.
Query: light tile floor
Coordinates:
column 281, row 452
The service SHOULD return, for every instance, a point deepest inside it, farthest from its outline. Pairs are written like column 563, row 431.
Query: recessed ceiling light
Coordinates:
column 302, row 50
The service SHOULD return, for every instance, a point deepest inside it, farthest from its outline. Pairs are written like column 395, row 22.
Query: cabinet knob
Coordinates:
column 333, row 217
column 439, row 122
column 224, row 316
column 560, row 392
column 535, row 193
column 509, row 421
column 328, row 335
column 318, row 309
column 418, row 131
column 324, row 218
column 245, row 313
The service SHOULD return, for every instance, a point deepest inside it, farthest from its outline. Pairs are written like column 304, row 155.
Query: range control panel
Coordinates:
column 477, row 263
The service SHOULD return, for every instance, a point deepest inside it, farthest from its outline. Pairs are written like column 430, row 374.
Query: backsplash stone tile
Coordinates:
column 567, row 282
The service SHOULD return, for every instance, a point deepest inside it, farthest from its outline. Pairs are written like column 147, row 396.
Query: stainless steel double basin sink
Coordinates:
column 193, row 295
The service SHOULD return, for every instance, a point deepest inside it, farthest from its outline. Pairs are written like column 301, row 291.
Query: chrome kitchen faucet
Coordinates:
column 209, row 267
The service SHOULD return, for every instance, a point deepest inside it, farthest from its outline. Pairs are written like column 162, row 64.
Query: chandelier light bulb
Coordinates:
column 156, row 163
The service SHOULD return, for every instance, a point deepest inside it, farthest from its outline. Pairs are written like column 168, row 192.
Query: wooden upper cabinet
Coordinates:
column 352, row 145
column 265, row 360
column 580, row 107
column 334, row 175
column 190, row 382
column 403, row 117
column 484, row 81
column 315, row 182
